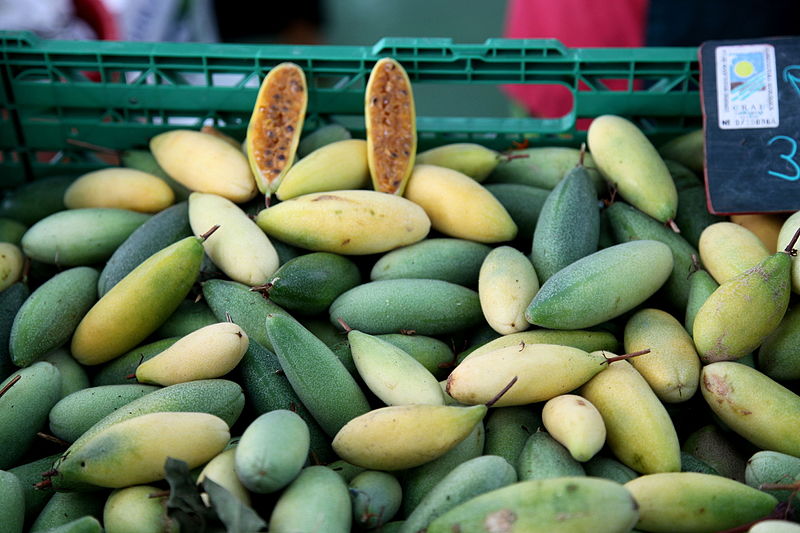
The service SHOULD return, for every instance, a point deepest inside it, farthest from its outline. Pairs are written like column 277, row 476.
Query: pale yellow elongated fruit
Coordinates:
column 122, row 188
column 333, row 167
column 459, row 206
column 728, row 249
column 639, row 430
column 134, row 451
column 576, row 424
column 221, row 470
column 543, row 371
column 766, row 226
column 472, row 159
column 138, row 509
column 696, row 503
column 239, row 248
column 507, row 283
column 392, row 374
column 405, row 436
column 346, row 222
column 589, row 341
column 672, row 368
column 11, row 262
column 205, row 163
column 627, row 158
column 206, row 353
column 756, row 407
column 788, row 229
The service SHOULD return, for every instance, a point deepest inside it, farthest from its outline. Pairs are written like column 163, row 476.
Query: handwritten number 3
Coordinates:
column 789, row 158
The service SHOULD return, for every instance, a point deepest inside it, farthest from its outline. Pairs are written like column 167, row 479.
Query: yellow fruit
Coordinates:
column 122, row 188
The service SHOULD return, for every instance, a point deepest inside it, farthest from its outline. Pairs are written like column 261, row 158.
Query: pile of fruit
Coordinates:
column 315, row 333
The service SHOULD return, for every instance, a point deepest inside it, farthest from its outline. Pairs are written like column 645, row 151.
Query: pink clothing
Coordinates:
column 577, row 24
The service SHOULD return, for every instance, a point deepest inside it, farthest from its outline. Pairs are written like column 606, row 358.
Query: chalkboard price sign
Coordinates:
column 751, row 111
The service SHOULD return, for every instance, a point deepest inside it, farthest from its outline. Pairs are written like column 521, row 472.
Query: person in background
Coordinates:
column 636, row 23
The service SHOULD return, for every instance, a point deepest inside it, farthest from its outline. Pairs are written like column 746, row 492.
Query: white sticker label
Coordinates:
column 747, row 88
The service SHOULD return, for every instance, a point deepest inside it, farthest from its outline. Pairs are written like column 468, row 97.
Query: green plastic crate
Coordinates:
column 56, row 95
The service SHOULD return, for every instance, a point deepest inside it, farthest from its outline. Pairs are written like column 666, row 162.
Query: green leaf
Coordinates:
column 185, row 504
column 237, row 517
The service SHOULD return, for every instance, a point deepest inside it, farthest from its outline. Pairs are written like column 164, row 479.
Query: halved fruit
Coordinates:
column 391, row 126
column 276, row 124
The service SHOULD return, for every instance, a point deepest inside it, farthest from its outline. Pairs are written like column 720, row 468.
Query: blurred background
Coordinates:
column 576, row 23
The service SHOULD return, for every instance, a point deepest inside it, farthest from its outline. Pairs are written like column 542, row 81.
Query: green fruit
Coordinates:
column 601, row 286
column 433, row 354
column 774, row 468
column 79, row 411
column 163, row 229
column 80, row 236
column 318, row 500
column 454, row 260
column 24, row 407
column 122, row 370
column 11, row 300
column 86, row 524
column 523, row 204
column 543, row 457
column 568, row 227
column 701, row 286
column 320, row 137
column 609, row 468
column 65, row 507
column 693, row 216
column 507, row 431
column 11, row 230
column 321, row 382
column 686, row 149
column 12, row 503
column 187, row 318
column 272, row 451
column 690, row 463
column 376, row 498
column 73, row 375
column 48, row 318
column 778, row 357
column 31, row 202
column 425, row 306
column 469, row 479
column 29, row 474
column 558, row 505
column 542, row 166
column 308, row 284
column 714, row 447
column 132, row 510
column 688, row 501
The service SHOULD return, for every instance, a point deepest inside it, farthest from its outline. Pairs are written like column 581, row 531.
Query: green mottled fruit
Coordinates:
column 165, row 228
column 11, row 300
column 543, row 457
column 542, row 166
column 601, row 286
column 686, row 149
column 508, row 429
column 454, row 260
column 11, row 230
column 272, row 451
column 80, row 236
column 309, row 283
column 778, row 356
column 425, row 306
column 320, row 137
column 73, row 374
column 79, row 411
column 701, row 286
column 85, row 524
column 693, row 216
column 24, row 408
column 690, row 463
column 628, row 224
column 187, row 318
column 65, row 507
column 33, row 201
column 469, row 479
column 609, row 468
column 523, row 203
column 50, row 315
column 317, row 501
column 12, row 503
column 433, row 354
column 772, row 467
column 714, row 446
column 320, row 380
column 568, row 227
column 30, row 474
column 558, row 505
column 759, row 409
column 693, row 502
column 145, row 161
column 376, row 498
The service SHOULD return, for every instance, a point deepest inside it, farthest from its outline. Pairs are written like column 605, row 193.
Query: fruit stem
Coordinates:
column 9, row 385
column 673, row 226
column 509, row 157
column 264, row 289
column 779, row 486
column 208, row 234
column 160, row 494
column 695, row 266
column 46, row 484
column 267, row 200
column 51, row 438
column 50, row 473
column 582, row 155
column 344, row 325
column 616, row 358
column 502, row 392
column 790, row 247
